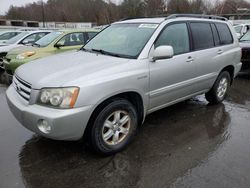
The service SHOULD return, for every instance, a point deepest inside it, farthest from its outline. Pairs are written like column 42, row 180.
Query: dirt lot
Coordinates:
column 191, row 144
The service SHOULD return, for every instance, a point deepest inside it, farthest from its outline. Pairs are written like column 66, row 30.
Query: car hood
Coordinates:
column 12, row 54
column 3, row 44
column 21, row 49
column 7, row 48
column 245, row 44
column 65, row 69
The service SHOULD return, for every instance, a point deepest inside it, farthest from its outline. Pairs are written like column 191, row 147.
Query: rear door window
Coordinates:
column 72, row 39
column 224, row 34
column 202, row 35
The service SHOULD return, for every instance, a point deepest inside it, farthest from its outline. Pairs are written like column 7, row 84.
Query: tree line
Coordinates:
column 106, row 11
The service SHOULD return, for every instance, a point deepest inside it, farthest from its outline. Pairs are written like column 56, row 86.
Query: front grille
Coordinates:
column 23, row 88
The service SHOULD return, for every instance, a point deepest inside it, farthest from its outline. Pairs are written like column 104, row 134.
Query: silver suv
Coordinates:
column 130, row 69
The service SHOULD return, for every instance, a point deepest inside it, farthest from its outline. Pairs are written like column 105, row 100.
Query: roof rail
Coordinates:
column 197, row 16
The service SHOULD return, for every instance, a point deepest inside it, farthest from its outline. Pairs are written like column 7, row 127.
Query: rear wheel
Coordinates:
column 219, row 90
column 114, row 127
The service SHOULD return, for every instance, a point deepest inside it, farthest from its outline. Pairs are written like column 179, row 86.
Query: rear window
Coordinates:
column 202, row 36
column 224, row 34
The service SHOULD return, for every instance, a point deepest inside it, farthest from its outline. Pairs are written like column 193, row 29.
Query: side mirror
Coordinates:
column 58, row 45
column 163, row 52
column 244, row 30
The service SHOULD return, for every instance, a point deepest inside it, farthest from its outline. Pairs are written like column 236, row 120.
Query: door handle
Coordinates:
column 190, row 59
column 220, row 52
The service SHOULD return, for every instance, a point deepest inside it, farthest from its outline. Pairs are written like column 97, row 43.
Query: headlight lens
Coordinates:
column 25, row 55
column 59, row 97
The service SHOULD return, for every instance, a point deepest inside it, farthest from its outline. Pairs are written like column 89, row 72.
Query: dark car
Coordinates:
column 245, row 45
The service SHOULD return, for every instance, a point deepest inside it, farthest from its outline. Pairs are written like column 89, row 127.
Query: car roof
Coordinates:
column 159, row 20
column 8, row 31
column 37, row 31
column 78, row 30
column 143, row 20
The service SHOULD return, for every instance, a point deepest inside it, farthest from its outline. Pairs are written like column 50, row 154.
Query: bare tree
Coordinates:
column 154, row 7
column 105, row 11
column 178, row 6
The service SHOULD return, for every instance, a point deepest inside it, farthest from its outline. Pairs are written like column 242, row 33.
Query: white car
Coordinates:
column 7, row 35
column 241, row 29
column 129, row 70
column 24, row 38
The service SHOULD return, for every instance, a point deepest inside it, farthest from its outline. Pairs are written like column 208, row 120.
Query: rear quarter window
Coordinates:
column 202, row 35
column 224, row 34
column 216, row 35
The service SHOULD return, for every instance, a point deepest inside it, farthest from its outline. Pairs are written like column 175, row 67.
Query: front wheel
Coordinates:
column 114, row 127
column 219, row 90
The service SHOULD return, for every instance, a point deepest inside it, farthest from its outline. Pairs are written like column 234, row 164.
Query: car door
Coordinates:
column 70, row 41
column 206, row 53
column 211, row 51
column 172, row 79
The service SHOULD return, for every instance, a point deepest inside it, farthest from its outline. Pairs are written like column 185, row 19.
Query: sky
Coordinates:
column 5, row 4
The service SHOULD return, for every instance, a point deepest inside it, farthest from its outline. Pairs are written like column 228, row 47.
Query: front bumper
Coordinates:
column 67, row 124
column 237, row 67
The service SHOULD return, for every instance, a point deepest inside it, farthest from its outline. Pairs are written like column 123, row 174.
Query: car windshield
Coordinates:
column 8, row 35
column 245, row 37
column 238, row 28
column 17, row 38
column 45, row 41
column 122, row 40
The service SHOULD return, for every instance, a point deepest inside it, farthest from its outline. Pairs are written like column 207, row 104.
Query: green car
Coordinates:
column 53, row 43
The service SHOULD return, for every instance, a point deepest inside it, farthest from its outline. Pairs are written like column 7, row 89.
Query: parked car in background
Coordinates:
column 245, row 46
column 241, row 29
column 7, row 35
column 24, row 38
column 130, row 69
column 54, row 43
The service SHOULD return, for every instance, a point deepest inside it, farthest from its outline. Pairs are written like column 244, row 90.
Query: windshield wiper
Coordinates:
column 112, row 54
column 106, row 52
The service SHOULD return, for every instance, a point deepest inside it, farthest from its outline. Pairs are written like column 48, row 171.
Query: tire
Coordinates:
column 220, row 88
column 107, row 134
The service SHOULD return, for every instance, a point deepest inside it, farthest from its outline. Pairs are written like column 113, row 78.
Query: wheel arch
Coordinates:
column 133, row 97
column 230, row 69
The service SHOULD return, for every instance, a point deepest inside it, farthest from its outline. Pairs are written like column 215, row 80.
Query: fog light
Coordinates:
column 44, row 126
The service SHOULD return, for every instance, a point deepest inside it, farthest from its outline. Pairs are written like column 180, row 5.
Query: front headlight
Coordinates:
column 59, row 97
column 25, row 55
